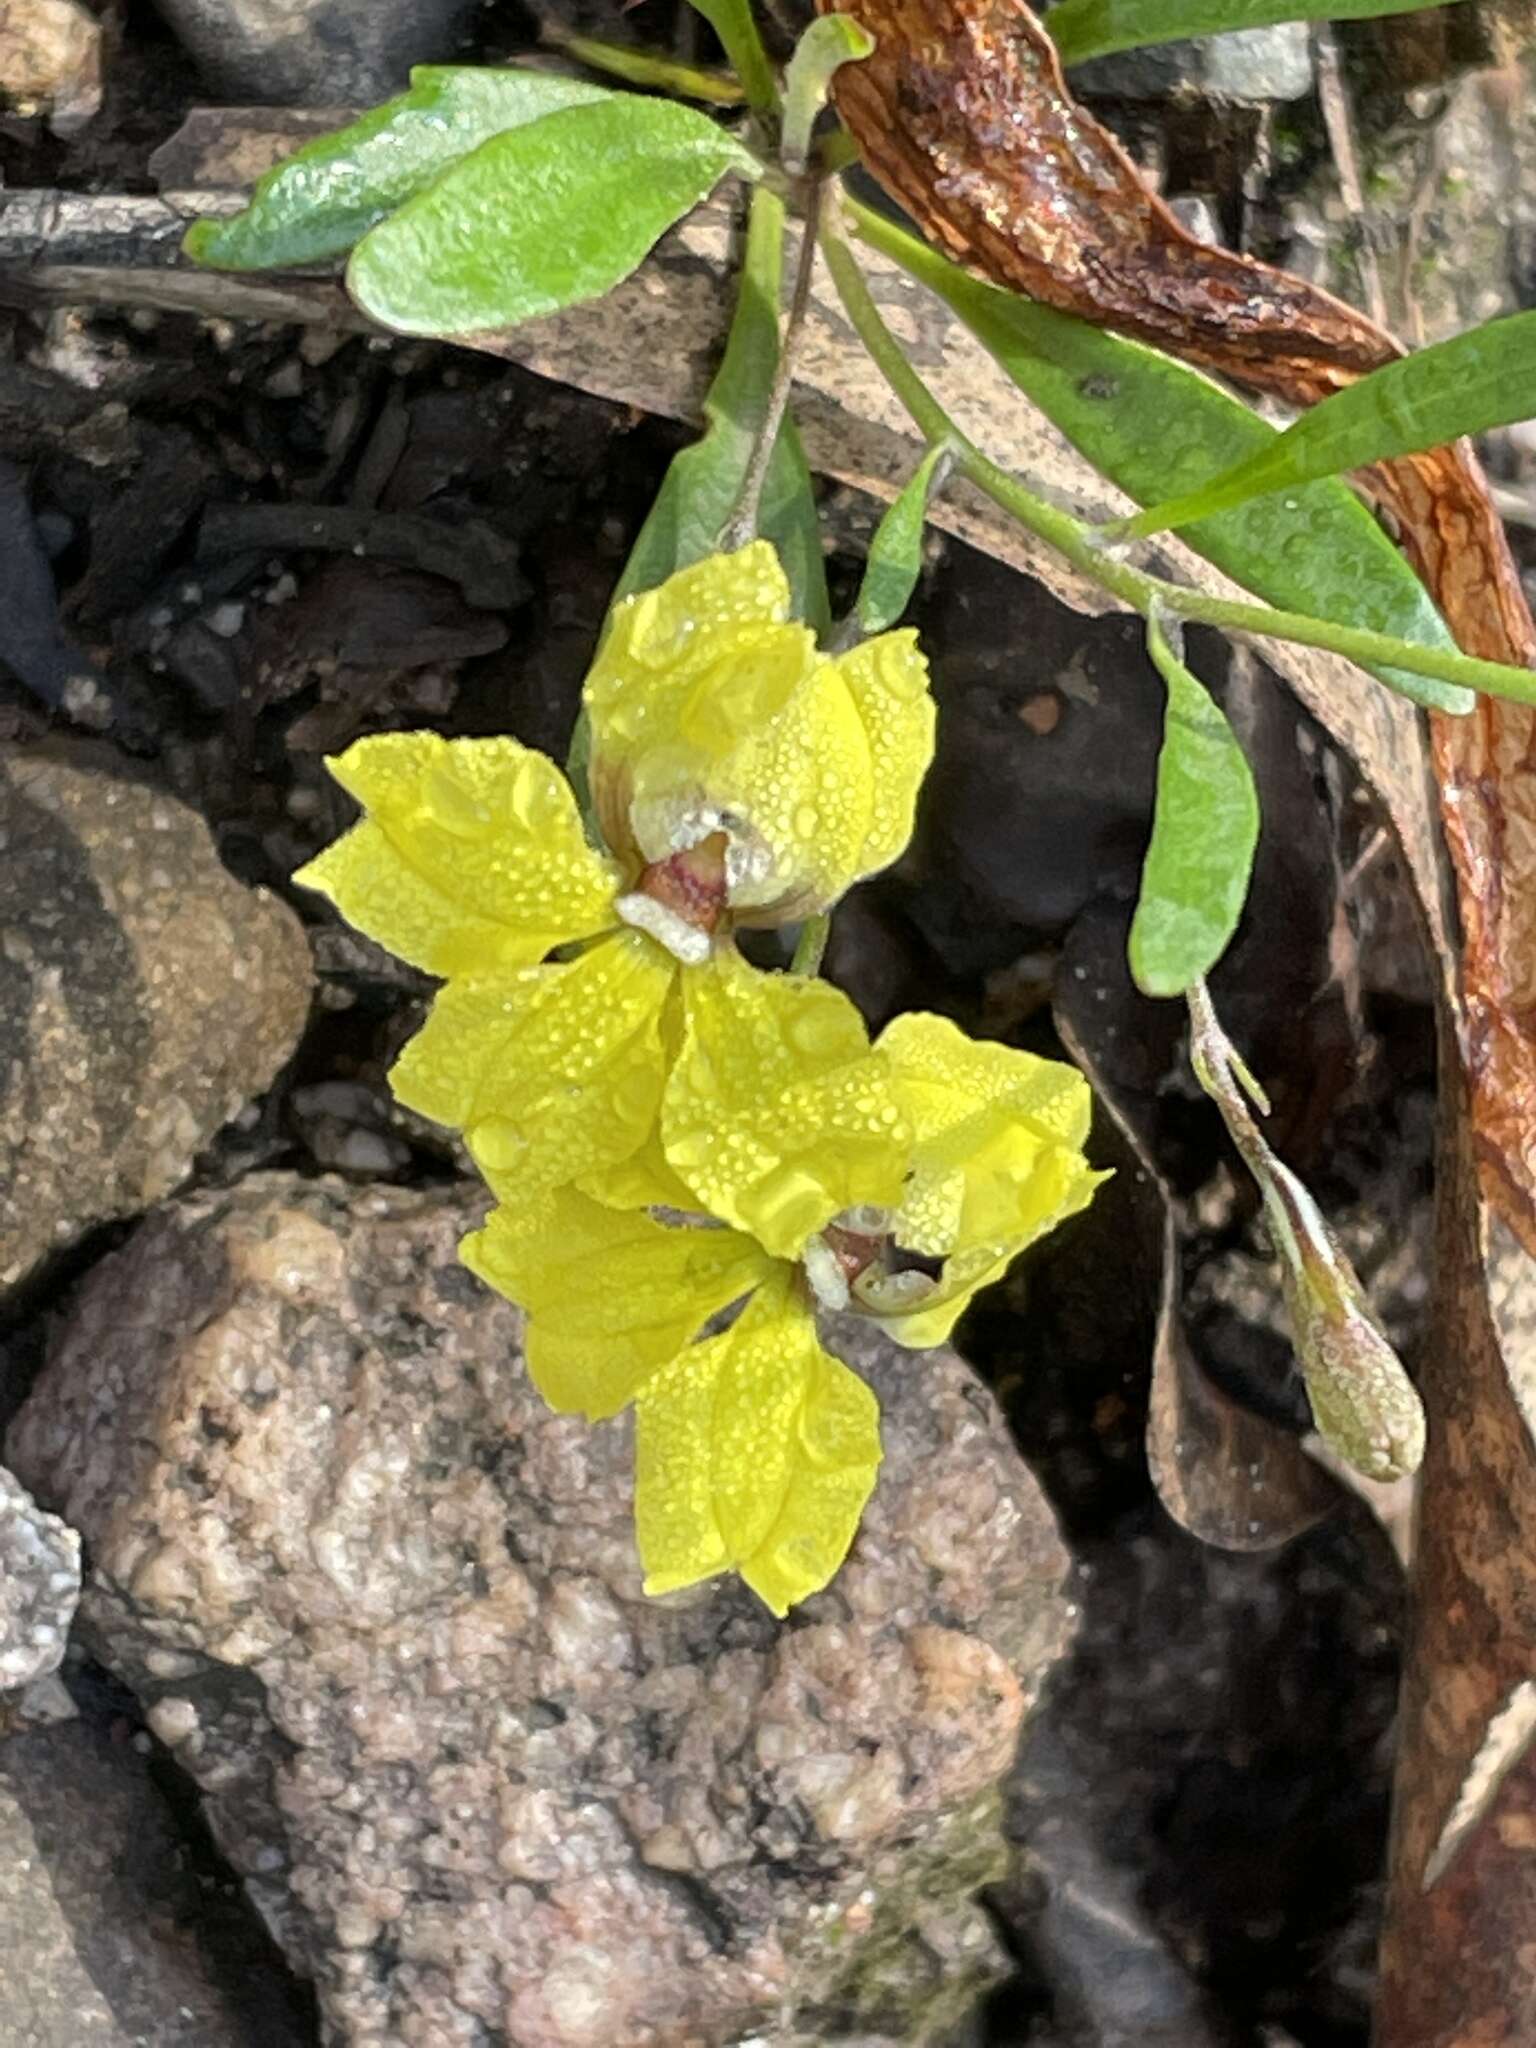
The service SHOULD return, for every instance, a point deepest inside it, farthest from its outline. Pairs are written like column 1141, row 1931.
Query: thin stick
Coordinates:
column 1338, row 119
column 742, row 524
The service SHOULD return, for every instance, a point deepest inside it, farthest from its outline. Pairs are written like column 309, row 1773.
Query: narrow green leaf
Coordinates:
column 830, row 42
column 704, row 482
column 327, row 195
column 650, row 68
column 1151, row 425
column 542, row 217
column 1205, row 826
column 896, row 552
column 1484, row 378
column 1095, row 28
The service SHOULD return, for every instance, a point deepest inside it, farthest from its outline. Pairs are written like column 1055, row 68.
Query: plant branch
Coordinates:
column 742, row 524
column 1083, row 547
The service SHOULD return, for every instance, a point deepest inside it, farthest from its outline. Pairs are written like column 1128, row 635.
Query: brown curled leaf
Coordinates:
column 963, row 115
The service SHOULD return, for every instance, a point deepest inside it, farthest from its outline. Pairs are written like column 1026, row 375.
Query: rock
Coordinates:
column 146, row 996
column 1451, row 206
column 39, row 1585
column 386, row 1609
column 50, row 61
column 1252, row 65
column 318, row 53
column 102, row 1921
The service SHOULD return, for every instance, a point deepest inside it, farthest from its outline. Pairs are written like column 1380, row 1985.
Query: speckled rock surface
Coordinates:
column 39, row 1585
column 386, row 1609
column 145, row 997
column 50, row 60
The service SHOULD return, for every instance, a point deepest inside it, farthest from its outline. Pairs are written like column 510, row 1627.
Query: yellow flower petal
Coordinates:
column 754, row 1451
column 887, row 678
column 611, row 1298
column 471, row 855
column 797, row 789
column 989, row 1125
column 1063, row 1184
column 776, row 1114
column 552, row 1072
column 707, row 655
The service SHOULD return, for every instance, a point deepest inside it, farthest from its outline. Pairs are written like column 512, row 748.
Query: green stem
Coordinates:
column 1080, row 545
column 811, row 944
column 649, row 68
column 732, row 22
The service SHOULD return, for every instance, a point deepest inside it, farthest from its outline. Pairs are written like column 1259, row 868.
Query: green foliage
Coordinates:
column 896, row 552
column 833, row 40
column 1205, row 827
column 1483, row 378
column 541, row 217
column 703, row 483
column 1094, row 28
column 732, row 22
column 650, row 69
column 325, row 197
column 1147, row 423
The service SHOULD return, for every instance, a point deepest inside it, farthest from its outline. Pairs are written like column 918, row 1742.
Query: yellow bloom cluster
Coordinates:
column 669, row 1131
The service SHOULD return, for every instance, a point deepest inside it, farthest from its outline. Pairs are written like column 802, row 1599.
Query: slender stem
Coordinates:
column 1084, row 548
column 742, row 524
column 732, row 22
column 811, row 944
column 649, row 67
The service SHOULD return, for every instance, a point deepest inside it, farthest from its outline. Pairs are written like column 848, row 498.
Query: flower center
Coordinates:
column 855, row 1262
column 679, row 900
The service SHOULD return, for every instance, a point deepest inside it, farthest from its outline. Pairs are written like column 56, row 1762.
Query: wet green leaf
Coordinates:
column 1205, row 826
column 703, row 483
column 896, row 552
column 1484, row 378
column 1153, row 426
column 541, row 217
column 327, row 195
column 1094, row 28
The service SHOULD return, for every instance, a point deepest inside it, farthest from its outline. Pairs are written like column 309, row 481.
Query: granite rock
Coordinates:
column 1249, row 66
column 39, row 1585
column 386, row 1610
column 145, row 997
column 328, row 53
column 50, row 61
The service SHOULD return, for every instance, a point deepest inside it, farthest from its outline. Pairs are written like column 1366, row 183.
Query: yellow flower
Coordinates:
column 938, row 1160
column 471, row 862
column 712, row 713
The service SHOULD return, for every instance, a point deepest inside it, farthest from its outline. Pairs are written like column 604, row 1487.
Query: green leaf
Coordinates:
column 541, row 217
column 830, row 42
column 1205, row 826
column 896, row 552
column 1082, row 29
column 651, row 69
column 1150, row 424
column 328, row 194
column 703, row 483
column 1484, row 378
